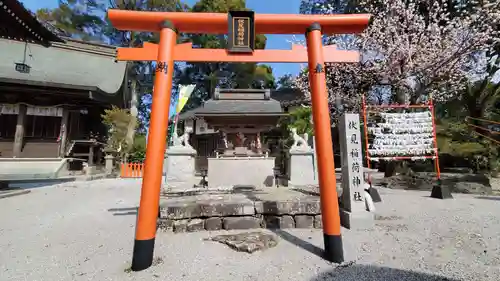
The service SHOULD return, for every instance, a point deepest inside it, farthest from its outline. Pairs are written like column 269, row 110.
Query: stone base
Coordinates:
column 240, row 210
column 4, row 185
column 357, row 220
column 374, row 194
column 91, row 170
column 441, row 192
column 248, row 171
column 179, row 167
column 302, row 168
column 12, row 193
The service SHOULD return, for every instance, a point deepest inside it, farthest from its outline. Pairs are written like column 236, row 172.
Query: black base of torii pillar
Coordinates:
column 441, row 192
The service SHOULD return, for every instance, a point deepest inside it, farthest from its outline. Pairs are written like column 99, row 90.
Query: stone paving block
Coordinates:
column 318, row 221
column 180, row 225
column 206, row 208
column 287, row 222
column 261, row 219
column 278, row 222
column 222, row 209
column 195, row 225
column 304, row 221
column 12, row 193
column 166, row 224
column 241, row 222
column 248, row 241
column 180, row 211
column 309, row 206
column 214, row 223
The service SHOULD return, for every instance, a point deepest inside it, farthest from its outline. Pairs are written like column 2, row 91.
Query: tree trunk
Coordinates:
column 134, row 112
column 134, row 102
column 475, row 112
column 401, row 97
column 390, row 168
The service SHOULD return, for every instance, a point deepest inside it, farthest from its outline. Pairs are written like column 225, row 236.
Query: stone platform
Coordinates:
column 215, row 210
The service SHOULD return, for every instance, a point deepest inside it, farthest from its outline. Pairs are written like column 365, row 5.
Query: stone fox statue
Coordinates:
column 184, row 139
column 299, row 141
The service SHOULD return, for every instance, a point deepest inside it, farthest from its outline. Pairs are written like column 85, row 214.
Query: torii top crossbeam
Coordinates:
column 216, row 23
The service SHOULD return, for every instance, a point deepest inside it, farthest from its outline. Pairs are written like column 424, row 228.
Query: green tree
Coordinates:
column 140, row 74
column 117, row 120
column 208, row 76
column 300, row 119
column 285, row 82
column 77, row 18
column 86, row 20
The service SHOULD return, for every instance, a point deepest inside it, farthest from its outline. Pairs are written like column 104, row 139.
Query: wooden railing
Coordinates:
column 131, row 170
column 493, row 135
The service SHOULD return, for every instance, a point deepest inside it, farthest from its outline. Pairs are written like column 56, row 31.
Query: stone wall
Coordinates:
column 456, row 182
column 246, row 214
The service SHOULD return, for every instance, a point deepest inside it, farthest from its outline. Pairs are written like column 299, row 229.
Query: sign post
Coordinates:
column 353, row 213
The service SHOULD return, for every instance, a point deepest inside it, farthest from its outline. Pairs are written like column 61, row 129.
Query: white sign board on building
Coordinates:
column 6, row 108
column 202, row 127
column 44, row 111
column 13, row 109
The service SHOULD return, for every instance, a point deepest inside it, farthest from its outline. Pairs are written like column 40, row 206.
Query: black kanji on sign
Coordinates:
column 357, row 196
column 356, row 181
column 355, row 167
column 355, row 153
column 354, row 139
column 352, row 125
column 319, row 68
column 161, row 66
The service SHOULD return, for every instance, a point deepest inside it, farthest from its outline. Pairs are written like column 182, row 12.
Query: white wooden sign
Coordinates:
column 402, row 134
column 12, row 109
column 44, row 111
column 202, row 127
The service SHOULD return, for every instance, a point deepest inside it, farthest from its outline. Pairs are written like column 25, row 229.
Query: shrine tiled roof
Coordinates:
column 278, row 99
column 187, row 115
column 18, row 23
column 72, row 65
column 288, row 96
column 242, row 107
column 240, row 102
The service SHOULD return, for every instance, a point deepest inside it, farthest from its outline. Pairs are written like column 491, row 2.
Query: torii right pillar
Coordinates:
column 324, row 150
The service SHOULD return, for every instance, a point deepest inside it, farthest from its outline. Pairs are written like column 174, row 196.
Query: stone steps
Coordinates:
column 283, row 208
column 13, row 192
column 240, row 222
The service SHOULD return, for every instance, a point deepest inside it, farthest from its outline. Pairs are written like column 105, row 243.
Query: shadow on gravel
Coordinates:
column 298, row 242
column 489, row 198
column 132, row 211
column 35, row 183
column 376, row 273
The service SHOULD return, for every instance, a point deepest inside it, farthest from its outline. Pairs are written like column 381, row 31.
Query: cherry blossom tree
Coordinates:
column 414, row 48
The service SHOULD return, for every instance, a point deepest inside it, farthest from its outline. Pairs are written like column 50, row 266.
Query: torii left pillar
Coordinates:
column 148, row 209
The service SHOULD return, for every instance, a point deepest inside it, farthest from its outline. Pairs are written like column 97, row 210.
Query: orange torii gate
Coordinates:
column 241, row 27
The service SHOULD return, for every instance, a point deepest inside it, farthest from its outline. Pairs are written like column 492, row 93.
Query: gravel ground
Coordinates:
column 85, row 231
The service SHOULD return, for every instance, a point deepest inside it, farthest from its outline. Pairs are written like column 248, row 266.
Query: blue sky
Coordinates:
column 259, row 6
